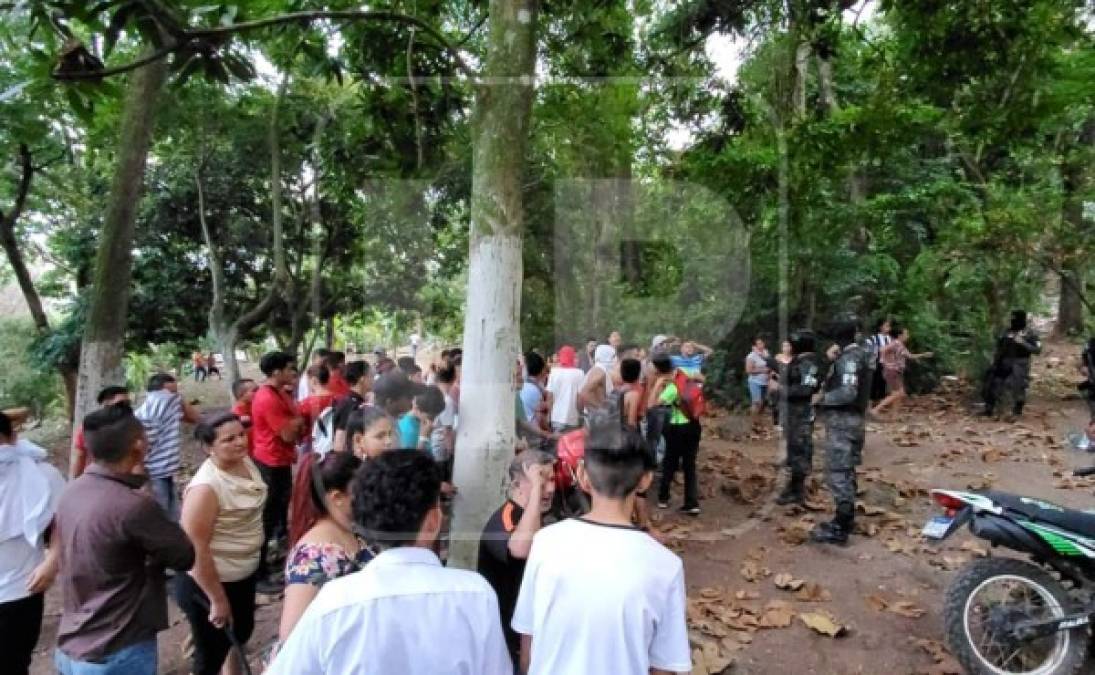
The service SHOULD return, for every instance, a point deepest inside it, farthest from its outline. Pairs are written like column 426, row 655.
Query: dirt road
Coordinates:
column 883, row 592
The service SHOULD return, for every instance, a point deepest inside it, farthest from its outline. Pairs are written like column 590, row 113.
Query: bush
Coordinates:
column 25, row 381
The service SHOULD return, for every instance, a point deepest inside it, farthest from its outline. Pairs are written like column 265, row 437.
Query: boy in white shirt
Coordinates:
column 600, row 595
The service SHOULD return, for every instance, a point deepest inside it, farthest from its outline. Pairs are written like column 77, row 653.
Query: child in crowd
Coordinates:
column 369, row 432
column 637, row 622
column 416, row 425
column 631, row 408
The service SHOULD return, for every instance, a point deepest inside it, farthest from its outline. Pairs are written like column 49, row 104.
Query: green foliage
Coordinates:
column 26, row 381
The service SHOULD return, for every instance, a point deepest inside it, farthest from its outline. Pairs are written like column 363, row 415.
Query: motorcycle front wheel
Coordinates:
column 991, row 594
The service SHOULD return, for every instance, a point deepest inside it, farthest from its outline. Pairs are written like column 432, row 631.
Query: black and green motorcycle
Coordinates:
column 1006, row 616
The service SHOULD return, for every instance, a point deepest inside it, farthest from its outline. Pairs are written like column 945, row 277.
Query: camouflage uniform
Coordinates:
column 1010, row 375
column 844, row 405
column 800, row 380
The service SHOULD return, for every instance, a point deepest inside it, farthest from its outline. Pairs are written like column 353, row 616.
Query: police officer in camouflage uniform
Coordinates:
column 799, row 381
column 843, row 407
column 1009, row 376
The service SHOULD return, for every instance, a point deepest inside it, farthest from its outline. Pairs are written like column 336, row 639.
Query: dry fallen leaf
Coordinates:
column 813, row 592
column 877, row 603
column 787, row 582
column 976, row 549
column 750, row 570
column 907, row 609
column 823, row 623
column 777, row 615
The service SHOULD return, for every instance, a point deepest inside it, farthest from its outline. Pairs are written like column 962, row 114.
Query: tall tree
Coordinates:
column 484, row 444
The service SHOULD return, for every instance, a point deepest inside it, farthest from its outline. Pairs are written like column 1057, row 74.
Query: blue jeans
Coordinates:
column 757, row 392
column 138, row 659
column 165, row 494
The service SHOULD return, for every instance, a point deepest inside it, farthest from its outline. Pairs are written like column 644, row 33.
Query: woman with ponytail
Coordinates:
column 323, row 542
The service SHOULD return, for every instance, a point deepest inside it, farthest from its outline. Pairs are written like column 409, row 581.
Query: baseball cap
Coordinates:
column 657, row 341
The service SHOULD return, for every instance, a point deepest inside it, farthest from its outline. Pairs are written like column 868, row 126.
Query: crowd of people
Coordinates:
column 335, row 488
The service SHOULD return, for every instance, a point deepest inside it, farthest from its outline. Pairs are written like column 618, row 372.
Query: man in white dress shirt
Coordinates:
column 403, row 613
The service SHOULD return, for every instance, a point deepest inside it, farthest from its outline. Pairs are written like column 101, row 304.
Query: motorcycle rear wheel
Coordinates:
column 1028, row 593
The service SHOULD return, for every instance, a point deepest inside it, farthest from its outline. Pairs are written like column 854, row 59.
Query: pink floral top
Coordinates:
column 894, row 356
column 316, row 564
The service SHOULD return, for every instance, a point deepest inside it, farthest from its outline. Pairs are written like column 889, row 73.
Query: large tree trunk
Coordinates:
column 484, row 445
column 1070, row 307
column 103, row 348
column 1074, row 177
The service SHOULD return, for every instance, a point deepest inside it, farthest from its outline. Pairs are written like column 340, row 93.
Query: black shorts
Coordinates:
column 211, row 644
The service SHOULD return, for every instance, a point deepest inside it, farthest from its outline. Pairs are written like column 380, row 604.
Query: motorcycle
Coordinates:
column 1007, row 616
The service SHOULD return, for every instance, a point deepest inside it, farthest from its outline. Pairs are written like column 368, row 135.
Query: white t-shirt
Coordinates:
column 564, row 384
column 403, row 613
column 602, row 599
column 29, row 490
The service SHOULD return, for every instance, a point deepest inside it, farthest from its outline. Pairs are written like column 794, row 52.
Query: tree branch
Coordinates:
column 11, row 245
column 213, row 36
column 157, row 55
column 414, row 100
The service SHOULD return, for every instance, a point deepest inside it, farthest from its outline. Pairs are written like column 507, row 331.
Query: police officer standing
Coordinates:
column 1010, row 372
column 843, row 407
column 800, row 381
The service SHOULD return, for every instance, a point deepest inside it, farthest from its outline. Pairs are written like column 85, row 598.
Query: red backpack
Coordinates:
column 693, row 403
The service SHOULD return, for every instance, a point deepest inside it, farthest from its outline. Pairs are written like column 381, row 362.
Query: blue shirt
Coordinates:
column 531, row 396
column 408, row 431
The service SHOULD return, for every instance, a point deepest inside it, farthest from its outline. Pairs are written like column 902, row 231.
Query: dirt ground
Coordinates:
column 883, row 592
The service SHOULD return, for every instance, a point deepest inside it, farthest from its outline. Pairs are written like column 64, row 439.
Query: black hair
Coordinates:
column 630, row 370
column 431, row 401
column 107, row 393
column 445, row 354
column 334, row 359
column 446, row 374
column 321, row 373
column 393, row 494
column 321, row 353
column 897, row 330
column 355, row 370
column 6, row 428
column 879, row 322
column 206, row 430
column 237, row 387
column 359, row 422
column 385, row 364
column 803, row 342
column 615, row 461
column 662, row 363
column 110, row 432
column 272, row 362
column 159, row 380
column 406, row 364
column 1018, row 319
column 756, row 339
column 334, row 471
column 844, row 328
column 629, row 347
column 534, row 364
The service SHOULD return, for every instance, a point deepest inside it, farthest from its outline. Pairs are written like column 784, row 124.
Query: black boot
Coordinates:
column 829, row 533
column 1018, row 409
column 794, row 493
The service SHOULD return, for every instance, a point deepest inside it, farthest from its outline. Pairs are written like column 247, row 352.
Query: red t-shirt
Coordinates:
column 271, row 411
column 337, row 385
column 311, row 407
column 243, row 411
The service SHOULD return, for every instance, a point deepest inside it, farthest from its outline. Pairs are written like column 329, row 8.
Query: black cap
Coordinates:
column 394, row 385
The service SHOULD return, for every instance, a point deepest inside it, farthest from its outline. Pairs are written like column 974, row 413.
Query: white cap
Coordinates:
column 657, row 341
